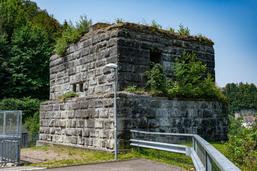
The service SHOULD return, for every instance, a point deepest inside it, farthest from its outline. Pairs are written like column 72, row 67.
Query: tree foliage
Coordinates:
column 27, row 37
column 156, row 80
column 241, row 96
column 242, row 145
column 191, row 79
column 71, row 34
column 30, row 109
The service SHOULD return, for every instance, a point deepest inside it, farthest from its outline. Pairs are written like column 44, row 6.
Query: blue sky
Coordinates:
column 231, row 24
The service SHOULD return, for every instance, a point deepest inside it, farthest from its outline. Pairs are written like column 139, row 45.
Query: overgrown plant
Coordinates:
column 71, row 34
column 156, row 80
column 172, row 30
column 203, row 39
column 242, row 145
column 67, row 95
column 119, row 21
column 156, row 25
column 190, row 79
column 183, row 31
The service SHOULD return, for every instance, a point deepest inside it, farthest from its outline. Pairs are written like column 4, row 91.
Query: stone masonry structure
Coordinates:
column 87, row 120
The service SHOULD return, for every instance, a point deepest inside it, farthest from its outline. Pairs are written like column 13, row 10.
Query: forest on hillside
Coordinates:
column 241, row 96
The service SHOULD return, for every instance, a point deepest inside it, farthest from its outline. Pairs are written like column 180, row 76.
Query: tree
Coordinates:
column 192, row 80
column 241, row 96
column 27, row 37
column 29, row 62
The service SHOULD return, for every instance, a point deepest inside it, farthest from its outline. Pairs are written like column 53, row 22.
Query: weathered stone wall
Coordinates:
column 81, row 122
column 203, row 117
column 88, row 121
column 134, row 47
column 83, row 65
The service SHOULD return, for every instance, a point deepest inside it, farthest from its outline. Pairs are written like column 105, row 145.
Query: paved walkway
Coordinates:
column 129, row 165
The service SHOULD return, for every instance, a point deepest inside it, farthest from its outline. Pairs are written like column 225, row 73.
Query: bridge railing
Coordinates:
column 204, row 156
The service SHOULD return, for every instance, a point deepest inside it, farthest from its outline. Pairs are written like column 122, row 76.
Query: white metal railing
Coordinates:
column 204, row 156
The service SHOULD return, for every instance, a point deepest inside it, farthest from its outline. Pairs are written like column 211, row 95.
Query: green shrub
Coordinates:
column 27, row 105
column 83, row 25
column 183, row 31
column 30, row 108
column 32, row 123
column 203, row 39
column 172, row 30
column 119, row 20
column 156, row 25
column 72, row 34
column 67, row 95
column 241, row 96
column 190, row 80
column 156, row 80
column 242, row 145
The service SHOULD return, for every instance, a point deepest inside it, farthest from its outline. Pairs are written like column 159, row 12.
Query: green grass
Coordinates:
column 78, row 156
column 220, row 146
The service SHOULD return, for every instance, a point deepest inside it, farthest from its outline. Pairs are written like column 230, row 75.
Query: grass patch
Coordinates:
column 222, row 147
column 69, row 156
column 67, row 95
column 135, row 89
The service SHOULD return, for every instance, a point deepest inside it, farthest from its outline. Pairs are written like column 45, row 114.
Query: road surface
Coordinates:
column 129, row 165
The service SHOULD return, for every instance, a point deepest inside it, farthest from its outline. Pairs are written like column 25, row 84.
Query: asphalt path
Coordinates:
column 128, row 165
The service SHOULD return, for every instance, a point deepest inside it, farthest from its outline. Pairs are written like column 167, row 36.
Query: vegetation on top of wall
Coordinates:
column 155, row 25
column 172, row 30
column 71, row 34
column 156, row 80
column 190, row 80
column 182, row 33
column 119, row 20
column 67, row 95
column 135, row 89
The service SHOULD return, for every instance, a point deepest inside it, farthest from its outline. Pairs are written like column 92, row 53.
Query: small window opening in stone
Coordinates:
column 74, row 87
column 81, row 87
column 155, row 56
